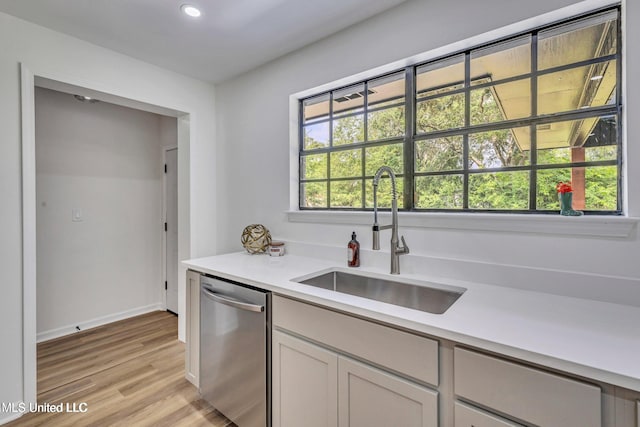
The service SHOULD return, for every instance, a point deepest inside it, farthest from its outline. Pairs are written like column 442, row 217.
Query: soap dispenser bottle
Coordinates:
column 353, row 252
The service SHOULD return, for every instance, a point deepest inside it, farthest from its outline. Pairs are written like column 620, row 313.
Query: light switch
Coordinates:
column 76, row 215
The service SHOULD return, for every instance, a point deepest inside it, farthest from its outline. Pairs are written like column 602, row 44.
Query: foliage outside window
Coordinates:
column 493, row 128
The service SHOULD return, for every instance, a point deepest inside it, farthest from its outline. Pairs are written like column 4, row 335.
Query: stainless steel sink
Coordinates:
column 423, row 296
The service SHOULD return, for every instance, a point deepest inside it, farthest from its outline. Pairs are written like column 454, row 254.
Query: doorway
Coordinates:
column 29, row 82
column 98, row 194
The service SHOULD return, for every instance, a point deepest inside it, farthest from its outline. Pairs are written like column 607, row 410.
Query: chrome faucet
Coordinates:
column 396, row 249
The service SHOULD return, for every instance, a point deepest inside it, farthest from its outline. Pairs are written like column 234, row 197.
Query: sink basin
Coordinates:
column 423, row 296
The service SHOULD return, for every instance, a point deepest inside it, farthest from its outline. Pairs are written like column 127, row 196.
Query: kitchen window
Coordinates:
column 490, row 129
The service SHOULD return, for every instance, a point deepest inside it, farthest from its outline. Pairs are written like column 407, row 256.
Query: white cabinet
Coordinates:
column 331, row 368
column 313, row 386
column 369, row 397
column 192, row 317
column 407, row 354
column 626, row 407
column 305, row 389
column 317, row 386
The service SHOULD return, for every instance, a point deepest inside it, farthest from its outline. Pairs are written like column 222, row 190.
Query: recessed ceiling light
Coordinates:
column 190, row 10
column 596, row 77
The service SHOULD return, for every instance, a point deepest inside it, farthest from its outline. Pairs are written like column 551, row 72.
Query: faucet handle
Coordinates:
column 405, row 248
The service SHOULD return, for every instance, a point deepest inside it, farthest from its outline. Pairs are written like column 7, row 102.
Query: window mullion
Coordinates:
column 409, row 132
column 620, row 102
column 533, row 150
column 365, row 118
column 465, row 137
column 300, row 149
column 329, row 152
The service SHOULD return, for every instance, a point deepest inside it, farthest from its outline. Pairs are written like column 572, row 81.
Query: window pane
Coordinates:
column 316, row 108
column 316, row 136
column 439, row 192
column 589, row 132
column 384, row 192
column 348, row 130
column 313, row 195
column 594, row 187
column 439, row 154
column 507, row 101
column 384, row 155
column 595, row 154
column 578, row 41
column 553, row 156
column 387, row 123
column 502, row 60
column 346, row 164
column 445, row 112
column 439, row 77
column 499, row 148
column 575, row 88
column 348, row 100
column 601, row 188
column 499, row 190
column 346, row 194
column 387, row 90
column 314, row 166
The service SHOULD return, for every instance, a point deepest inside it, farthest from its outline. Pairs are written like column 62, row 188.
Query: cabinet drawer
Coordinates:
column 468, row 416
column 405, row 353
column 528, row 394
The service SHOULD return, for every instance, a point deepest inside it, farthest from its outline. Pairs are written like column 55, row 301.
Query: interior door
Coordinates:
column 171, row 229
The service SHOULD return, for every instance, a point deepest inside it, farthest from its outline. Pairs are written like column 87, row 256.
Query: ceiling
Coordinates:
column 231, row 36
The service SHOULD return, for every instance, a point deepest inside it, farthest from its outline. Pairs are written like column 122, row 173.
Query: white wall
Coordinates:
column 63, row 58
column 253, row 133
column 106, row 161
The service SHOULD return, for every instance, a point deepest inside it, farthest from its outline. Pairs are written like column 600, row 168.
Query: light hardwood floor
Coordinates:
column 129, row 373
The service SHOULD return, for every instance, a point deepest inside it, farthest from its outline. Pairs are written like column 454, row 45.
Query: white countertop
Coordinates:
column 583, row 337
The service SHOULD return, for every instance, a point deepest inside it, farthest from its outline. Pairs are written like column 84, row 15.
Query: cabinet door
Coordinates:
column 192, row 316
column 368, row 397
column 305, row 383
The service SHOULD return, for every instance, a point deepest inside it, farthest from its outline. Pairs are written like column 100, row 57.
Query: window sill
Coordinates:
column 592, row 226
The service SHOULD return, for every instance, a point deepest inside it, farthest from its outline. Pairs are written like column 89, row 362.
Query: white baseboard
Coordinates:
column 98, row 321
column 193, row 380
column 10, row 416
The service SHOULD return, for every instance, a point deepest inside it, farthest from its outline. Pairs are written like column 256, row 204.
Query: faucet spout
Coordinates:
column 396, row 249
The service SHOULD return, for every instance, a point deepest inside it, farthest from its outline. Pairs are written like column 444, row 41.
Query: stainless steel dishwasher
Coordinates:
column 235, row 350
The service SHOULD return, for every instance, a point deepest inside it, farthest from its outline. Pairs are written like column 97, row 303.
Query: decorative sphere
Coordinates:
column 255, row 238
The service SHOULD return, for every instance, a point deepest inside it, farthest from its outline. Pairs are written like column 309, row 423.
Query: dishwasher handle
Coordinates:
column 233, row 302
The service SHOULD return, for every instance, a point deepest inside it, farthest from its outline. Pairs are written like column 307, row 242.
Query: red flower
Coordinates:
column 564, row 187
